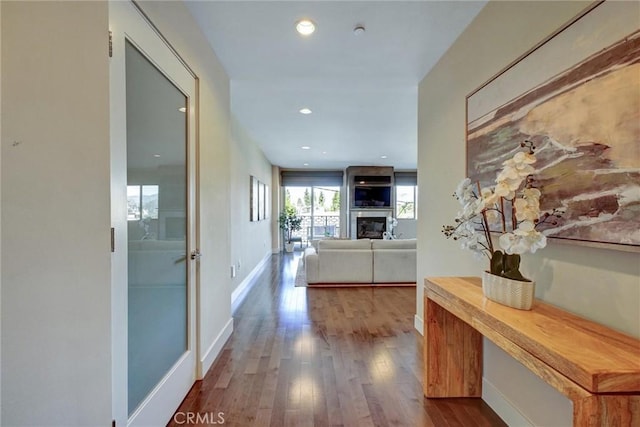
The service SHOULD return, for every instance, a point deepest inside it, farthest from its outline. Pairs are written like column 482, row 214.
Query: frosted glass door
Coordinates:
column 157, row 225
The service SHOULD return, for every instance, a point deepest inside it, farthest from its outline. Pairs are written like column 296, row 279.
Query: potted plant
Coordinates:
column 289, row 222
column 514, row 203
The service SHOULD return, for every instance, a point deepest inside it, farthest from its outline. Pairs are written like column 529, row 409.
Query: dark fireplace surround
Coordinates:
column 371, row 200
column 371, row 227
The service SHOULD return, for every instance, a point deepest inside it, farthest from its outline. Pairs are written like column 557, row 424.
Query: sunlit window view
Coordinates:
column 319, row 208
column 142, row 202
column 406, row 201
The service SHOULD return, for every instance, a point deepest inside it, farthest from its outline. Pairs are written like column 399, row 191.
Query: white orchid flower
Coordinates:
column 492, row 215
column 504, row 189
column 519, row 165
column 462, row 185
column 531, row 193
column 512, row 243
column 524, row 228
column 523, row 239
column 469, row 228
column 524, row 157
column 527, row 209
column 508, row 173
column 528, row 206
column 464, row 191
column 538, row 241
column 489, row 197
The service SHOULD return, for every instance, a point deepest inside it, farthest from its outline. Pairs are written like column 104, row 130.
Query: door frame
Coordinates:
column 127, row 22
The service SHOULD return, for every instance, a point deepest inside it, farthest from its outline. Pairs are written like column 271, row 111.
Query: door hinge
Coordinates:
column 113, row 239
column 110, row 44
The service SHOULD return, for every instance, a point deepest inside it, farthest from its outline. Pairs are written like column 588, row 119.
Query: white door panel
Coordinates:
column 153, row 157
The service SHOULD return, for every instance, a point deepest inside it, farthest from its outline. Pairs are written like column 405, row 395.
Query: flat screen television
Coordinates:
column 372, row 197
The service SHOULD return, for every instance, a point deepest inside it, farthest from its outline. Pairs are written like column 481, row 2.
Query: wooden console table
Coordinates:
column 596, row 367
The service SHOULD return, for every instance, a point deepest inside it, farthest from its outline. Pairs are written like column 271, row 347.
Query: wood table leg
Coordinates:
column 607, row 410
column 452, row 355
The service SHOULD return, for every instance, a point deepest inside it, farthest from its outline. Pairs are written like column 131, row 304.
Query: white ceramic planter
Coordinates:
column 512, row 293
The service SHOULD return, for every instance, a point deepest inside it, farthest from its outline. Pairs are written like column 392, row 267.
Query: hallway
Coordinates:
column 322, row 357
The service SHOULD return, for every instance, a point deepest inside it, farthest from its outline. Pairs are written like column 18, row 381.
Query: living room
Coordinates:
column 58, row 305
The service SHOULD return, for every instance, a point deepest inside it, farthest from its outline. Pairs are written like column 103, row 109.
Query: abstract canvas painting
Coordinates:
column 585, row 124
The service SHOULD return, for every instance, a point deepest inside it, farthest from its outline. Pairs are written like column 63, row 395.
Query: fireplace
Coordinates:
column 371, row 227
column 370, row 199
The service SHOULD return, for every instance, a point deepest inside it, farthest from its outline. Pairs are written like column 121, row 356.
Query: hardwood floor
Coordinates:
column 323, row 357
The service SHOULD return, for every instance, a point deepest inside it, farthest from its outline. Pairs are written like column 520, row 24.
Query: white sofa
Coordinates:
column 361, row 261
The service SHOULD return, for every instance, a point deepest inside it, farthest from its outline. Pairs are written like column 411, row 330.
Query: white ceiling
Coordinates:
column 362, row 89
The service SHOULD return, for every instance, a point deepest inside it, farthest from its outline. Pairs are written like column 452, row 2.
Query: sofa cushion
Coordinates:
column 394, row 266
column 307, row 252
column 331, row 244
column 345, row 266
column 394, row 244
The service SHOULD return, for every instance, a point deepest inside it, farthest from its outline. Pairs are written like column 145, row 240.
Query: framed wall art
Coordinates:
column 265, row 206
column 253, row 199
column 260, row 200
column 576, row 95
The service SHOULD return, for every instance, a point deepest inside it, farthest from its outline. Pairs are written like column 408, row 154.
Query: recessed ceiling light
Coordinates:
column 383, row 157
column 305, row 27
column 305, row 111
column 306, row 164
column 359, row 30
column 324, row 152
column 182, row 109
column 306, row 147
column 156, row 155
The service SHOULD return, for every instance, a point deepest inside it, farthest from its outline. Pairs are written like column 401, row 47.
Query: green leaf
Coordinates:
column 514, row 274
column 496, row 263
column 511, row 262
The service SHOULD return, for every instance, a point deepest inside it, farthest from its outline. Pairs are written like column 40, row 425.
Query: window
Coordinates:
column 319, row 207
column 406, row 201
column 142, row 202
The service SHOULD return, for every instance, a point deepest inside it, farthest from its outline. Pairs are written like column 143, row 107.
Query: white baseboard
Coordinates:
column 418, row 323
column 502, row 406
column 215, row 348
column 238, row 295
column 165, row 398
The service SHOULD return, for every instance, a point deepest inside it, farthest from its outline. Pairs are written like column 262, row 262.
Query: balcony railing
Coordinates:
column 318, row 227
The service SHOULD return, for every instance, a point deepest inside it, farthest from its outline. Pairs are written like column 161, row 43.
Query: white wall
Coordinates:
column 406, row 229
column 251, row 241
column 176, row 23
column 276, row 201
column 56, row 348
column 55, row 297
column 0, row 220
column 600, row 284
